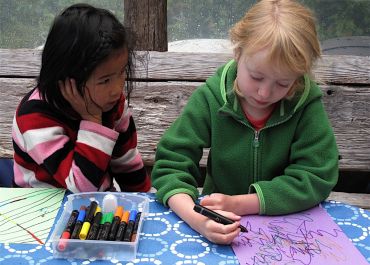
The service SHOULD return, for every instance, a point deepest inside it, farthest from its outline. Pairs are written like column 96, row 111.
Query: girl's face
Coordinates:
column 106, row 83
column 261, row 84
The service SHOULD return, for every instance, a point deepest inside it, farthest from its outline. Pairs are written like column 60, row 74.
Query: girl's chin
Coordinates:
column 109, row 107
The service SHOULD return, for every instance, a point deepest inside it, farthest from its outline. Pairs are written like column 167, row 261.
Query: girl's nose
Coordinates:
column 118, row 87
column 264, row 90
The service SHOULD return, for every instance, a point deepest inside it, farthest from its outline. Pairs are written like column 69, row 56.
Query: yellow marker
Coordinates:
column 88, row 219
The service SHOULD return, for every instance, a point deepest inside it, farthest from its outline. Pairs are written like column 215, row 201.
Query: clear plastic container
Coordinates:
column 98, row 249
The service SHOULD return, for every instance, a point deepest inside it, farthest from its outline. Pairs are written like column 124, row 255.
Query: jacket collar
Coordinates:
column 285, row 109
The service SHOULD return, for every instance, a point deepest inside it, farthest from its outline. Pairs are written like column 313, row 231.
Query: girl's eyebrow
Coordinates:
column 110, row 74
column 105, row 76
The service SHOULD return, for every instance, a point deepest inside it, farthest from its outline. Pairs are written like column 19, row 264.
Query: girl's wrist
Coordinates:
column 245, row 204
column 93, row 119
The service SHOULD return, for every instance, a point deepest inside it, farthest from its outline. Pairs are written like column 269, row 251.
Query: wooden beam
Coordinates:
column 361, row 200
column 147, row 19
column 155, row 105
column 176, row 66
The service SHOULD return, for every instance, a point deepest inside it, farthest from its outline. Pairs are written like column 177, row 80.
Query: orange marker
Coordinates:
column 122, row 226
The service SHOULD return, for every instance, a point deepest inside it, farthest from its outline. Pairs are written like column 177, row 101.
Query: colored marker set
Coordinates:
column 101, row 225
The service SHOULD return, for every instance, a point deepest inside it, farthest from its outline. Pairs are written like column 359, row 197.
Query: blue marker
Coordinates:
column 130, row 226
column 79, row 222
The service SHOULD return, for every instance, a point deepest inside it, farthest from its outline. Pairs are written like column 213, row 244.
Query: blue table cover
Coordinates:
column 165, row 239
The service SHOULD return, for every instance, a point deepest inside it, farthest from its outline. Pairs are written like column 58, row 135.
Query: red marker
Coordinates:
column 68, row 230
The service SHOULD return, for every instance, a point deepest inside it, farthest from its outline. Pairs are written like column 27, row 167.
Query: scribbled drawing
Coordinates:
column 27, row 214
column 309, row 237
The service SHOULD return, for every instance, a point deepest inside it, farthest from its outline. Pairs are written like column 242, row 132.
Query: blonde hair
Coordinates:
column 286, row 28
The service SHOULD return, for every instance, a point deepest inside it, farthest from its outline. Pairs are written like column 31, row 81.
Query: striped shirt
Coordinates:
column 52, row 150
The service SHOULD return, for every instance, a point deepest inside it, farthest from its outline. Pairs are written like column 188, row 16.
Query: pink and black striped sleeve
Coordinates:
column 75, row 154
column 127, row 166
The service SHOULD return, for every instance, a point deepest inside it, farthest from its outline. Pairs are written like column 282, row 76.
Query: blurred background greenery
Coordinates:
column 25, row 23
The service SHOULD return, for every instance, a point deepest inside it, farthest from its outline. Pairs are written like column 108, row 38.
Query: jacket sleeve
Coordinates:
column 127, row 166
column 313, row 167
column 180, row 149
column 77, row 164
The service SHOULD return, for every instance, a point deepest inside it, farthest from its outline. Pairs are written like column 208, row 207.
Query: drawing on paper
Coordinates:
column 308, row 237
column 27, row 214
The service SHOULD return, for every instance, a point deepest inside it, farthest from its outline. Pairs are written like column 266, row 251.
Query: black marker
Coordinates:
column 130, row 226
column 94, row 229
column 122, row 226
column 102, row 222
column 115, row 224
column 108, row 218
column 216, row 216
column 136, row 226
column 68, row 230
column 79, row 222
column 88, row 220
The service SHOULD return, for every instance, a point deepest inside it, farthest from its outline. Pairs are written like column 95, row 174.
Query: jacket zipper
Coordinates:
column 256, row 143
column 255, row 155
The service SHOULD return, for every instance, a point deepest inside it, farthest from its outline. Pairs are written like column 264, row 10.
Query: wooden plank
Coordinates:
column 148, row 20
column 356, row 199
column 156, row 105
column 332, row 69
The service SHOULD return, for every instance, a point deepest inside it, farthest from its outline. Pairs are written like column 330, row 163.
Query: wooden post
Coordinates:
column 148, row 21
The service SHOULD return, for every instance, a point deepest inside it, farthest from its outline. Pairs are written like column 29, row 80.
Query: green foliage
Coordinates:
column 341, row 18
column 25, row 23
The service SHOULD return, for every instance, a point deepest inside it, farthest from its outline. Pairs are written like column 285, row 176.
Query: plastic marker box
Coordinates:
column 98, row 249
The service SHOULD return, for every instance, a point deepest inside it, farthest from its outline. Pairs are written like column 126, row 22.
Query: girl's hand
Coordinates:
column 219, row 201
column 242, row 204
column 87, row 109
column 182, row 204
column 219, row 233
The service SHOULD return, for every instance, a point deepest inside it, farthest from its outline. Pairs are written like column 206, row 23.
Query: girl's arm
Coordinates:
column 127, row 166
column 182, row 204
column 239, row 204
column 73, row 156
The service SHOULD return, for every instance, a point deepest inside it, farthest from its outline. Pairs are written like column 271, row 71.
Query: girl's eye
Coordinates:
column 256, row 78
column 105, row 81
column 283, row 85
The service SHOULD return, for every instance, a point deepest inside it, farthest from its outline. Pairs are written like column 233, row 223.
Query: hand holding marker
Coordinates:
column 216, row 216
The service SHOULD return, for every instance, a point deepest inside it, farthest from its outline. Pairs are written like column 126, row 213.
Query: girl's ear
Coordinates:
column 237, row 54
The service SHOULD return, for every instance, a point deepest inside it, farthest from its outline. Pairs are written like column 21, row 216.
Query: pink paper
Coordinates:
column 308, row 237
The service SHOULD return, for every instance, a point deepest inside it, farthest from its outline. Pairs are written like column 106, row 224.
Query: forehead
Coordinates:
column 113, row 63
column 261, row 62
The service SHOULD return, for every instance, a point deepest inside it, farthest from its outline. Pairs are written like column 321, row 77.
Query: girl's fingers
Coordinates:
column 74, row 89
column 223, row 234
column 61, row 87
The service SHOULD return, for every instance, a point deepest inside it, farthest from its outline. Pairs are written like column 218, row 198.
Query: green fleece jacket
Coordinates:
column 291, row 163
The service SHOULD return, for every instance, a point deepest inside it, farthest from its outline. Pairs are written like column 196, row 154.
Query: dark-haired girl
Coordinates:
column 74, row 130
